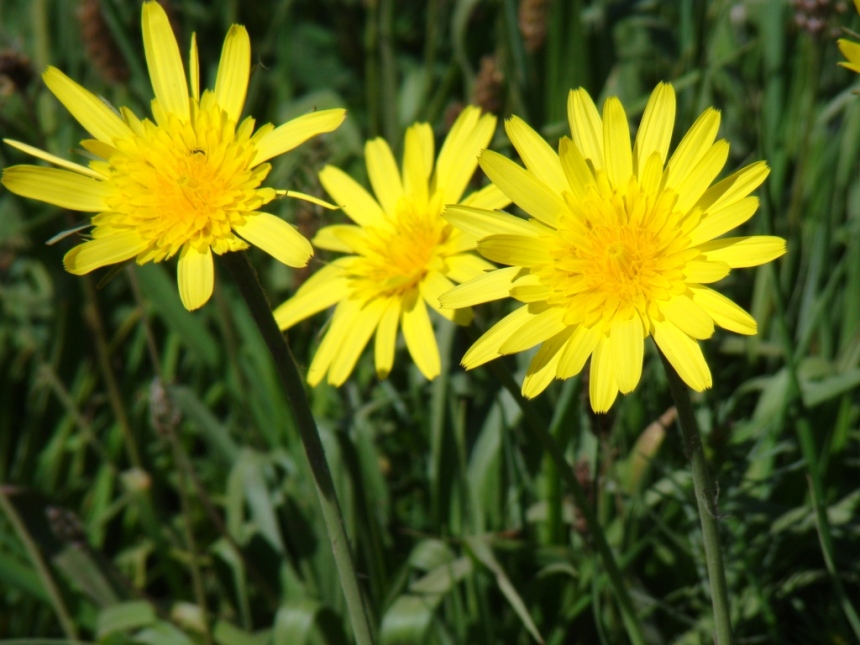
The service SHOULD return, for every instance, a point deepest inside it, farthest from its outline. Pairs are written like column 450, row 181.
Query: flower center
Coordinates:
column 613, row 255
column 396, row 257
column 186, row 182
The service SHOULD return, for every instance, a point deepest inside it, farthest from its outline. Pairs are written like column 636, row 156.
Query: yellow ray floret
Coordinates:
column 619, row 245
column 401, row 254
column 187, row 182
column 850, row 49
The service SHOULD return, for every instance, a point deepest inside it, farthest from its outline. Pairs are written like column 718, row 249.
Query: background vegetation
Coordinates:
column 139, row 513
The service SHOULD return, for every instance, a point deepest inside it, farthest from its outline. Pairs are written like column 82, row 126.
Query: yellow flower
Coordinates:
column 619, row 247
column 402, row 253
column 850, row 49
column 188, row 182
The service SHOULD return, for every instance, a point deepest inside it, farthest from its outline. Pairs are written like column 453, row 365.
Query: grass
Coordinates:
column 463, row 529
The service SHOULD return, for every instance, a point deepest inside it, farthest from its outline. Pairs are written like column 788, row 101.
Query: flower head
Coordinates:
column 850, row 49
column 619, row 247
column 402, row 254
column 187, row 183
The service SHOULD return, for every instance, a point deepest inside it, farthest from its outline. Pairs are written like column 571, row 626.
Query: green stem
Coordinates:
column 96, row 324
column 53, row 592
column 191, row 543
column 535, row 421
column 706, row 502
column 249, row 286
column 563, row 421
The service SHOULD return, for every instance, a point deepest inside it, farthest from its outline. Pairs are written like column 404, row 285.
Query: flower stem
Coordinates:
column 249, row 286
column 535, row 421
column 191, row 543
column 66, row 622
column 706, row 501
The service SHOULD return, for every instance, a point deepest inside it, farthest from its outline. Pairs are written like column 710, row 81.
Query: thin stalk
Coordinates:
column 249, row 286
column 215, row 518
column 179, row 451
column 537, row 424
column 185, row 504
column 95, row 322
column 49, row 376
column 66, row 622
column 706, row 501
column 563, row 420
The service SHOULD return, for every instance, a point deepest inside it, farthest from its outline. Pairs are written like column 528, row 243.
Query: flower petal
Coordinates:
column 294, row 194
column 527, row 191
column 383, row 174
column 723, row 311
column 482, row 223
column 486, row 348
column 343, row 238
column 516, row 250
column 543, row 367
column 326, row 287
column 687, row 316
column 338, row 332
column 692, row 148
column 194, row 69
column 602, row 386
column 579, row 175
column 490, row 197
column 234, row 70
column 434, row 285
column 89, row 110
column 458, row 242
column 294, row 133
column 577, row 350
column 196, row 276
column 490, row 286
column 355, row 201
column 616, row 143
column 586, row 127
column 277, row 238
column 734, row 187
column 417, row 163
column 103, row 251
column 529, row 288
column 542, row 326
column 466, row 266
column 715, row 223
column 702, row 272
column 57, row 161
column 851, row 51
column 684, row 354
column 363, row 325
column 699, row 179
column 164, row 62
column 740, row 252
column 655, row 129
column 58, row 187
column 539, row 158
column 627, row 344
column 386, row 337
column 458, row 158
column 420, row 338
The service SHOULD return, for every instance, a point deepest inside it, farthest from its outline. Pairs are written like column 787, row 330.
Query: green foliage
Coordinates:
column 462, row 530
